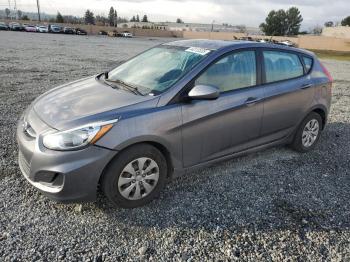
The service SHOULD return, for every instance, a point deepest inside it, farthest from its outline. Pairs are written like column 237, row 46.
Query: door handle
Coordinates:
column 306, row 86
column 252, row 100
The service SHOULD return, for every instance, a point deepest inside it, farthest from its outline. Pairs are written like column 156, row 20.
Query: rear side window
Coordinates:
column 281, row 66
column 308, row 63
column 235, row 71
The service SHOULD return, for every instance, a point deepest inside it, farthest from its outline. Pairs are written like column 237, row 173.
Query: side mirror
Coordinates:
column 204, row 92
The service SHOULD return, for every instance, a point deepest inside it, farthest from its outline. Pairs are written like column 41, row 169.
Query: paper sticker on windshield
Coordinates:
column 198, row 50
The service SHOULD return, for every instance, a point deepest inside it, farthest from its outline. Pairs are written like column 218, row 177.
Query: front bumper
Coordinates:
column 65, row 176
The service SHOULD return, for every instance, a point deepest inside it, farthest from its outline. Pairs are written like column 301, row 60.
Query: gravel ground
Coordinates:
column 273, row 205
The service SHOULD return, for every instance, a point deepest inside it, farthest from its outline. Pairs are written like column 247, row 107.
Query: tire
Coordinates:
column 312, row 120
column 124, row 182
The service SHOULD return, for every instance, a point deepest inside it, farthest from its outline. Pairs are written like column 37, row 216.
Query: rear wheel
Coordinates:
column 308, row 133
column 135, row 177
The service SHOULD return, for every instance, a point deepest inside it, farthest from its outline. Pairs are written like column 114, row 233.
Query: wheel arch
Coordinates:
column 163, row 149
column 319, row 109
column 322, row 111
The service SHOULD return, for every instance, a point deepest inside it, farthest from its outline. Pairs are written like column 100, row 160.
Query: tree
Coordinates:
column 115, row 17
column 346, row 21
column 242, row 28
column 137, row 18
column 316, row 30
column 145, row 19
column 89, row 17
column 111, row 18
column 294, row 20
column 274, row 23
column 281, row 23
column 101, row 20
column 19, row 14
column 8, row 12
column 133, row 19
column 122, row 20
column 179, row 21
column 25, row 17
column 329, row 24
column 71, row 19
column 59, row 18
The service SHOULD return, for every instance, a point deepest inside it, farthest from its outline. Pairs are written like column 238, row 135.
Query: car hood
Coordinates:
column 86, row 100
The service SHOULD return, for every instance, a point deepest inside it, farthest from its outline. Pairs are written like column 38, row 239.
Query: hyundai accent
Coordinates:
column 171, row 109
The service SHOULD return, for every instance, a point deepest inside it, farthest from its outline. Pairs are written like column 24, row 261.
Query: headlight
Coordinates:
column 77, row 137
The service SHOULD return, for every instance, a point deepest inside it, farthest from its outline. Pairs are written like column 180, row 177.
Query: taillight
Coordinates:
column 330, row 78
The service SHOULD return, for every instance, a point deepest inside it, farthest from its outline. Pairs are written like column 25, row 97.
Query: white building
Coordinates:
column 145, row 25
column 197, row 27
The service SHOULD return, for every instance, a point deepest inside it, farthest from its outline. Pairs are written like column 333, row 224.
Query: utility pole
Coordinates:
column 37, row 3
column 115, row 18
column 9, row 9
column 15, row 10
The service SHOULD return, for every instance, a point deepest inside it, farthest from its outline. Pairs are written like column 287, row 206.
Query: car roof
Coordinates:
column 232, row 44
column 201, row 43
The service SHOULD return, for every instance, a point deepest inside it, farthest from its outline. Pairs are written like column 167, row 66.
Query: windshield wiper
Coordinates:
column 109, row 83
column 128, row 86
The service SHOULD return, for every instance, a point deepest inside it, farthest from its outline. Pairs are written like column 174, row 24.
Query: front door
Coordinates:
column 215, row 128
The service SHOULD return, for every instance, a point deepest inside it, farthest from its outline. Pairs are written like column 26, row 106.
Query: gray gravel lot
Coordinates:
column 273, row 205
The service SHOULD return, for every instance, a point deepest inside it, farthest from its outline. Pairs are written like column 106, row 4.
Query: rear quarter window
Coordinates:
column 281, row 65
column 308, row 63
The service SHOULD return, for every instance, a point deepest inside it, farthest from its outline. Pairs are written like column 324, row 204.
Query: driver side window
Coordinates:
column 232, row 72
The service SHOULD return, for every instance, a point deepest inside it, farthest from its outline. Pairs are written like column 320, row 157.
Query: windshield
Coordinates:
column 157, row 69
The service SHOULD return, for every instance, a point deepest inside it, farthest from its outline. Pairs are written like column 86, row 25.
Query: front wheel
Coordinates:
column 135, row 177
column 308, row 133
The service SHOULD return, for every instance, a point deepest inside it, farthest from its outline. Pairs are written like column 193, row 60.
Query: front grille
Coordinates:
column 23, row 164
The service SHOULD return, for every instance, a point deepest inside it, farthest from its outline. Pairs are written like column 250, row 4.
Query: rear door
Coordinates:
column 216, row 128
column 288, row 92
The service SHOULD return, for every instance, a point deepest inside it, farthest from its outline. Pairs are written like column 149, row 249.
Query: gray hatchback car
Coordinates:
column 175, row 107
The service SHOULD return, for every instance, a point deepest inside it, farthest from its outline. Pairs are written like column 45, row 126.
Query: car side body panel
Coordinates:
column 323, row 89
column 156, row 125
column 285, row 103
column 214, row 128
